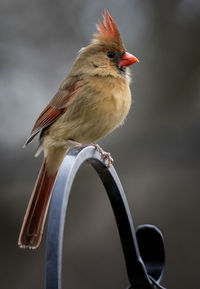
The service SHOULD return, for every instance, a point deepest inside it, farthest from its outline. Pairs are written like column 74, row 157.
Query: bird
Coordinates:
column 92, row 101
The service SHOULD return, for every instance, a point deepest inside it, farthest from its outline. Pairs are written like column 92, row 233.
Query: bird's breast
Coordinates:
column 99, row 109
column 115, row 101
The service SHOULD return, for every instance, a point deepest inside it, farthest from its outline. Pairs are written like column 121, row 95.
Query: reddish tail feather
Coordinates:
column 32, row 228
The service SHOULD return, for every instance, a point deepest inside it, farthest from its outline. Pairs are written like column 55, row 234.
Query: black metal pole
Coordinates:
column 143, row 261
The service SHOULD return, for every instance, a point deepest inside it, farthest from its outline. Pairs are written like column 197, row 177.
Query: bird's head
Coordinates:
column 106, row 55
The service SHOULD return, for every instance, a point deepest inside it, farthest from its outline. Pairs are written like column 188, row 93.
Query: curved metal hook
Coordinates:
column 139, row 273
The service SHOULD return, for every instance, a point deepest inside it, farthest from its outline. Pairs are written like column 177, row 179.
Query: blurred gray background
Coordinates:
column 156, row 153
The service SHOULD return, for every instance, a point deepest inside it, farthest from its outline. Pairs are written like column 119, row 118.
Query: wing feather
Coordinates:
column 53, row 110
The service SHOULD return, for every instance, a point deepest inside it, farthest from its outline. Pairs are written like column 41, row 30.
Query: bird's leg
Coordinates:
column 104, row 154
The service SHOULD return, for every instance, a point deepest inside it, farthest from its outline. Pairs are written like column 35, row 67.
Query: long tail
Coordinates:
column 33, row 224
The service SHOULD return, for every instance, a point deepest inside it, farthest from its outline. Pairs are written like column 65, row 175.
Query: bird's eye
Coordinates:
column 111, row 54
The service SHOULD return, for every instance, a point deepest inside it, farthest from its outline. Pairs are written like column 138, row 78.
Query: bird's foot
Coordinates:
column 104, row 154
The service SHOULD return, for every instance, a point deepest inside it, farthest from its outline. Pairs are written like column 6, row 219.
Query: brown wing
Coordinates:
column 53, row 110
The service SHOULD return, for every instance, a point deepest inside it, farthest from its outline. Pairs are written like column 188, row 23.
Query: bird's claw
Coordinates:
column 109, row 159
column 104, row 155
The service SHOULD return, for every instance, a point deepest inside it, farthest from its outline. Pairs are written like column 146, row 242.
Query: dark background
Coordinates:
column 156, row 152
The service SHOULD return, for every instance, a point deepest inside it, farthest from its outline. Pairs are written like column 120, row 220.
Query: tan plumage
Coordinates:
column 91, row 102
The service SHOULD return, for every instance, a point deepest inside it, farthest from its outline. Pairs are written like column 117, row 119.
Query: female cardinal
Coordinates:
column 91, row 102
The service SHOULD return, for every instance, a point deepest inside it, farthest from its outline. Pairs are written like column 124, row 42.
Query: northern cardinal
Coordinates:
column 91, row 102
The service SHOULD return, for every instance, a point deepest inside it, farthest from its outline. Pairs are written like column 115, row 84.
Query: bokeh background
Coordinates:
column 156, row 152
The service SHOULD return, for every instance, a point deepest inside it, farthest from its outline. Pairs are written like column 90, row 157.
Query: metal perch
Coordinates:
column 143, row 249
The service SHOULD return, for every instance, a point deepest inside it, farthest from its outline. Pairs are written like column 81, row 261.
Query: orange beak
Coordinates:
column 127, row 59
